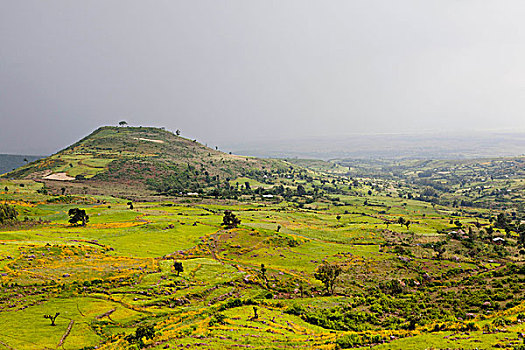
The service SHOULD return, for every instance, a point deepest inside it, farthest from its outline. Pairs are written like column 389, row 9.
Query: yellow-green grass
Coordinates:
column 28, row 329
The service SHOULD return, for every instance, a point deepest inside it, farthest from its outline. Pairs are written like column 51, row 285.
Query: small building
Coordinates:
column 498, row 240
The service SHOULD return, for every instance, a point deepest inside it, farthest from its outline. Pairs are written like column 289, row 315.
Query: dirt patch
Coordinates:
column 59, row 176
column 149, row 140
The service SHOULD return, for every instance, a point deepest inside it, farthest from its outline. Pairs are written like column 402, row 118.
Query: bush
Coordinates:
column 347, row 341
column 296, row 310
column 217, row 318
column 230, row 304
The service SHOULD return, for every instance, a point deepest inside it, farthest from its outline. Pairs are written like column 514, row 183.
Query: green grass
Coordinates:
column 123, row 259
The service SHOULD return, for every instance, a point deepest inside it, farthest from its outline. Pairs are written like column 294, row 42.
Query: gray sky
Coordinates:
column 234, row 71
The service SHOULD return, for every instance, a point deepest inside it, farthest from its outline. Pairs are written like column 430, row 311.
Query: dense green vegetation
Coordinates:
column 494, row 183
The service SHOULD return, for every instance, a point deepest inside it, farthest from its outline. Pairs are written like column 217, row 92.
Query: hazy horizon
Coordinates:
column 430, row 145
column 236, row 72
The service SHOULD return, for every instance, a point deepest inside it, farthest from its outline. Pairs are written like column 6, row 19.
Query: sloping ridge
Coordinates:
column 146, row 156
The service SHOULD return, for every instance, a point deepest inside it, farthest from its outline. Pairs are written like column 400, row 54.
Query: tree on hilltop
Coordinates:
column 122, row 123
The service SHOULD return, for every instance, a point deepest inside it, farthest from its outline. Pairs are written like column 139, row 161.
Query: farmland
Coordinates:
column 401, row 286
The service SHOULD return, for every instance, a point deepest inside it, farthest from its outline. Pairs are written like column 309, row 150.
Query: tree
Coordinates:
column 300, row 190
column 392, row 287
column 328, row 273
column 122, row 123
column 177, row 266
column 130, row 205
column 177, row 132
column 52, row 318
column 7, row 213
column 401, row 221
column 263, row 272
column 141, row 332
column 77, row 215
column 230, row 220
column 407, row 223
column 63, row 190
column 521, row 233
column 440, row 249
column 338, row 217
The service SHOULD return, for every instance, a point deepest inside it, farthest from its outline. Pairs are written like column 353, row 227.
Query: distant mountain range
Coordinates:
column 9, row 162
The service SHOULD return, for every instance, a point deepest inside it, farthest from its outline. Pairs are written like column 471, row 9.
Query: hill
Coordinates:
column 148, row 159
column 9, row 162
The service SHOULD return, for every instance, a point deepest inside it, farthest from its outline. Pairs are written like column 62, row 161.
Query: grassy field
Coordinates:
column 413, row 286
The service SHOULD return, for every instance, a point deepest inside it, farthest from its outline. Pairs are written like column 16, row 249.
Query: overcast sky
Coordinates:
column 234, row 71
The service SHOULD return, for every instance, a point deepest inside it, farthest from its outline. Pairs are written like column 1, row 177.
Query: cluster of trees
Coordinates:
column 504, row 222
column 401, row 221
column 7, row 213
column 187, row 180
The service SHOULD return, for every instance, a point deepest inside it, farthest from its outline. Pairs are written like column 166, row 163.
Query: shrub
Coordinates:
column 348, row 341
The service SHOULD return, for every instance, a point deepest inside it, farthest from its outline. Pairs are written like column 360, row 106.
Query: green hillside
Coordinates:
column 148, row 158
